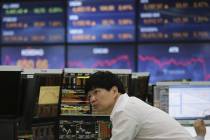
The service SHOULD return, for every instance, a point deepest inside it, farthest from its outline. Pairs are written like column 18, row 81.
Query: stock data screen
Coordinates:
column 101, row 21
column 189, row 102
column 33, row 57
column 33, row 22
column 116, row 57
column 175, row 62
column 174, row 20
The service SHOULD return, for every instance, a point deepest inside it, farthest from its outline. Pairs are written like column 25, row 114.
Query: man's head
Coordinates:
column 104, row 88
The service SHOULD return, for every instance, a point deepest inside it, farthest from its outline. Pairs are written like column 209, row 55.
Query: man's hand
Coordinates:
column 200, row 127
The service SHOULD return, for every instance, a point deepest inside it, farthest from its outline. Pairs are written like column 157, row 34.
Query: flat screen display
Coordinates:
column 100, row 21
column 116, row 57
column 33, row 22
column 34, row 57
column 189, row 101
column 175, row 62
column 48, row 96
column 174, row 20
column 10, row 97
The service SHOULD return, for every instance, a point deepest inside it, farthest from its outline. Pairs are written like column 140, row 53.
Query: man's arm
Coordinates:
column 124, row 127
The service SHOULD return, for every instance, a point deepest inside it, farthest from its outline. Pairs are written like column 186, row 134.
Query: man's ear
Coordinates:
column 114, row 89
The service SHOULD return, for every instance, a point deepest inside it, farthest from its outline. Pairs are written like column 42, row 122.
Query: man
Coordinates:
column 132, row 119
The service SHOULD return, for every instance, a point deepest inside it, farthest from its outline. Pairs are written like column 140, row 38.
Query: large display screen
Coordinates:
column 100, row 21
column 33, row 22
column 116, row 57
column 175, row 62
column 174, row 20
column 33, row 57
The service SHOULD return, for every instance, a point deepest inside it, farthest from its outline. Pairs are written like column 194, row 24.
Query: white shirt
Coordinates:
column 132, row 119
column 199, row 138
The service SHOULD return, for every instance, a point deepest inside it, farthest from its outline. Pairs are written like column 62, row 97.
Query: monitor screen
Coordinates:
column 167, row 62
column 34, row 56
column 174, row 20
column 140, row 85
column 11, row 96
column 48, row 95
column 26, row 22
column 189, row 101
column 115, row 57
column 183, row 100
column 100, row 21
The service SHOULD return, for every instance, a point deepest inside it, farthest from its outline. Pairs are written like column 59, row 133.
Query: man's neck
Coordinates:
column 112, row 107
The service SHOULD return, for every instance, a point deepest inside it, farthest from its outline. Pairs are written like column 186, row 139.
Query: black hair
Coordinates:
column 105, row 80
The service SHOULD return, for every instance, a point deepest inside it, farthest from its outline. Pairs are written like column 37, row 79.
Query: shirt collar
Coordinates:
column 120, row 103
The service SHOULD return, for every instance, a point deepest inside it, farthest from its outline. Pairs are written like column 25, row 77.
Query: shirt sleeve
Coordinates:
column 199, row 138
column 124, row 127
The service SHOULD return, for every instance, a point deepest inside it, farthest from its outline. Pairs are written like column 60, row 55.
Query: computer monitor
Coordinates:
column 11, row 95
column 48, row 96
column 140, row 85
column 29, row 89
column 183, row 100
